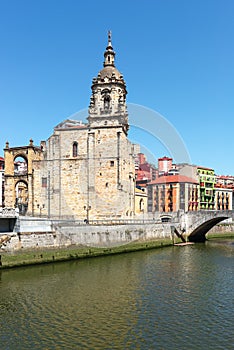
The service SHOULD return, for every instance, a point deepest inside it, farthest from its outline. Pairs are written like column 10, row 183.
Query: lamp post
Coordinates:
column 40, row 207
column 48, row 194
column 143, row 210
column 173, row 234
column 87, row 208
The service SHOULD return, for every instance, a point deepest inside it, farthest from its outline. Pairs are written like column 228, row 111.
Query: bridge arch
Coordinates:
column 199, row 233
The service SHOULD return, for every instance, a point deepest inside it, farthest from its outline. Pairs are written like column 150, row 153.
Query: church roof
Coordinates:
column 173, row 179
column 70, row 123
column 109, row 71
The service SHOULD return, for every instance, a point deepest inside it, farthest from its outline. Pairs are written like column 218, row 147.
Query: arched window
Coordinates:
column 141, row 204
column 20, row 165
column 106, row 101
column 75, row 149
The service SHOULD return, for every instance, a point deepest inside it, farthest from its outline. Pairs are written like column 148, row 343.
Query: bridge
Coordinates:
column 195, row 224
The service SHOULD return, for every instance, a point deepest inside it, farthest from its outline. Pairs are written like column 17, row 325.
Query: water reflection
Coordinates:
column 174, row 298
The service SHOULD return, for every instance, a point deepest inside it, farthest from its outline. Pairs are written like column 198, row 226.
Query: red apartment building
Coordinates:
column 145, row 172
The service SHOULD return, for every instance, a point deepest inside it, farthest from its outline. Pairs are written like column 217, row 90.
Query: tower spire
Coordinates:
column 109, row 54
column 108, row 100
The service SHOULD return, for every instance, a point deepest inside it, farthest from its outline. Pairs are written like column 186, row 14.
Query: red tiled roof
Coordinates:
column 143, row 175
column 218, row 185
column 173, row 179
column 225, row 177
column 2, row 159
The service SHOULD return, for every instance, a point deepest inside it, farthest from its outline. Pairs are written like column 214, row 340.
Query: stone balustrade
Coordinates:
column 9, row 212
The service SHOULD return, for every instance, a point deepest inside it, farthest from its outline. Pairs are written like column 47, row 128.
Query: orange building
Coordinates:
column 223, row 196
column 172, row 193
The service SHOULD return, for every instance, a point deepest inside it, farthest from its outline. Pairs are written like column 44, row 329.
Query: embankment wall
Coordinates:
column 43, row 234
column 222, row 228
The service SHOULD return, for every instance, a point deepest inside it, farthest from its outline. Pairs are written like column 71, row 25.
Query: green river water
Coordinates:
column 170, row 298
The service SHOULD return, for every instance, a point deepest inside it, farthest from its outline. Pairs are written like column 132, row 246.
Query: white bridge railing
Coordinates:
column 9, row 212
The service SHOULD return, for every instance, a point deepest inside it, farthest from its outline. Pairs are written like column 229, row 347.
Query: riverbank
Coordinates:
column 218, row 235
column 45, row 256
column 122, row 301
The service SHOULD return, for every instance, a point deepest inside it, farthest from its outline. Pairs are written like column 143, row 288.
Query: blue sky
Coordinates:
column 177, row 58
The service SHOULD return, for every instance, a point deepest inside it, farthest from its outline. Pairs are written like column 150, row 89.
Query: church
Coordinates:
column 84, row 170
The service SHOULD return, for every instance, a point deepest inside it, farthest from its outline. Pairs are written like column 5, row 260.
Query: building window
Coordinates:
column 44, row 182
column 106, row 101
column 75, row 149
column 112, row 163
column 141, row 205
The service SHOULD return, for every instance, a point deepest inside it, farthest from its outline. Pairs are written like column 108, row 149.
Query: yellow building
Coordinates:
column 223, row 198
column 141, row 201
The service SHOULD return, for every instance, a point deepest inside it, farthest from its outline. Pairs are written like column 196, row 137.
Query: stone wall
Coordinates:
column 29, row 153
column 109, row 236
column 97, row 183
column 222, row 228
column 33, row 234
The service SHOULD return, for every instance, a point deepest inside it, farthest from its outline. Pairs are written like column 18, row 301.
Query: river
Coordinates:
column 169, row 298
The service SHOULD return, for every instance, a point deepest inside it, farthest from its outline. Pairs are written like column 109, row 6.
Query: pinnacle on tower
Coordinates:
column 109, row 38
column 108, row 100
column 109, row 54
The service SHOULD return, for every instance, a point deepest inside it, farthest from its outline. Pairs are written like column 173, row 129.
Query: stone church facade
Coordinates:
column 83, row 171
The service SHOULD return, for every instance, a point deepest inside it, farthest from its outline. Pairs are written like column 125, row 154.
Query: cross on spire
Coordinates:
column 109, row 38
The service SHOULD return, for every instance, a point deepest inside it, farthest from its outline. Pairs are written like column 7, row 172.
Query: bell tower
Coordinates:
column 108, row 100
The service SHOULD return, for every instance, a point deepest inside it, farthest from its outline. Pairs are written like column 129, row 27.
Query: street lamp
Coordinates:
column 40, row 206
column 143, row 212
column 142, row 208
column 87, row 208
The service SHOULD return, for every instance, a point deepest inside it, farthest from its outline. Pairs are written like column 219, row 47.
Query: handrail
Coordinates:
column 110, row 222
